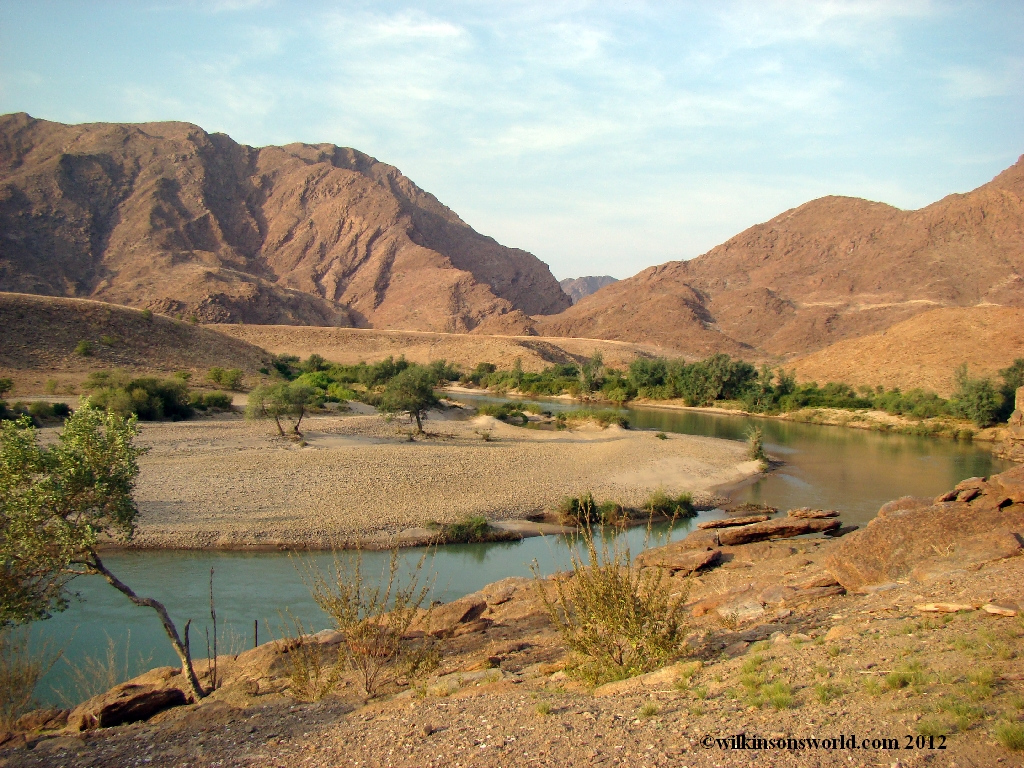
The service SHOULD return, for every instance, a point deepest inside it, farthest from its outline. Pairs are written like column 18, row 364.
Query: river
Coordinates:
column 853, row 471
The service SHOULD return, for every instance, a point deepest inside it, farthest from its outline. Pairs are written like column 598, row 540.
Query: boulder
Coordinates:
column 729, row 522
column 806, row 513
column 47, row 719
column 699, row 539
column 679, row 561
column 444, row 619
column 664, row 678
column 922, row 541
column 783, row 528
column 125, row 703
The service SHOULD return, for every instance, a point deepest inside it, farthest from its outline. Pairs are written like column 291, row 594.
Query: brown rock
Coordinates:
column 782, row 528
column 902, row 505
column 124, row 703
column 760, row 551
column 729, row 522
column 50, row 718
column 927, row 541
column 678, row 561
column 444, row 619
column 806, row 513
column 943, row 607
column 700, row 539
column 659, row 679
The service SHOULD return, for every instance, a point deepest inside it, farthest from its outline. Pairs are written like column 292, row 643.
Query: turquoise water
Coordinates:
column 850, row 470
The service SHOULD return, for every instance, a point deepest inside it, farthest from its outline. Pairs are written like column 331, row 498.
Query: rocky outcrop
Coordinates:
column 1012, row 447
column 678, row 561
column 980, row 520
column 168, row 217
column 577, row 288
column 729, row 522
column 128, row 702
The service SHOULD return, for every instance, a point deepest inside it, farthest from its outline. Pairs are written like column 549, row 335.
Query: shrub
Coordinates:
column 503, row 411
column 472, row 530
column 22, row 665
column 84, row 348
column 206, row 400
column 975, row 399
column 230, row 378
column 583, row 510
column 755, row 444
column 373, row 619
column 147, row 314
column 605, row 416
column 662, row 503
column 147, row 397
column 616, row 620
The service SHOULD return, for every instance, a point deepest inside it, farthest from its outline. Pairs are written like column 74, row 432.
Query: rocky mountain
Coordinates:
column 834, row 268
column 169, row 217
column 578, row 287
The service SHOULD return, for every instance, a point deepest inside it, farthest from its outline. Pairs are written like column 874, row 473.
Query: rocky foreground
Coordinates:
column 909, row 630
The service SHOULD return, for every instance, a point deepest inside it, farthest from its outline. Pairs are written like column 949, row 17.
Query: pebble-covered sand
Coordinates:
column 226, row 482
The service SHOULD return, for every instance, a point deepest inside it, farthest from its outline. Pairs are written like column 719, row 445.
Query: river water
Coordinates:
column 850, row 470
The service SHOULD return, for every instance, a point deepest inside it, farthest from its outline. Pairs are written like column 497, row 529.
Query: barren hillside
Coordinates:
column 831, row 269
column 40, row 336
column 924, row 350
column 169, row 217
column 352, row 345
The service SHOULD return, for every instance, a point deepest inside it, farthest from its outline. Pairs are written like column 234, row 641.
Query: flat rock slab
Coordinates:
column 660, row 679
column 679, row 561
column 782, row 528
column 730, row 522
column 805, row 513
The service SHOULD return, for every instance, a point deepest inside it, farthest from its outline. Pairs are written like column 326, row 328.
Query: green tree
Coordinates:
column 974, row 399
column 411, row 392
column 57, row 504
column 283, row 399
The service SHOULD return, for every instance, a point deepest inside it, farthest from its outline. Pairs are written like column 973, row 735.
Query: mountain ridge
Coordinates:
column 169, row 217
column 830, row 269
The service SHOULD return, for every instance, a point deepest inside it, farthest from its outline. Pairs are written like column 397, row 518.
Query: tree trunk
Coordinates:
column 181, row 648
column 419, row 425
column 280, row 429
column 302, row 412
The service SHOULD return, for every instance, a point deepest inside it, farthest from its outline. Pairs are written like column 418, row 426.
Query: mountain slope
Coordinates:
column 169, row 217
column 831, row 269
column 578, row 287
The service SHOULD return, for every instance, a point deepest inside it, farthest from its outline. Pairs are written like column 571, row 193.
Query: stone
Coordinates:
column 736, row 649
column 806, row 513
column 839, row 632
column 943, row 607
column 760, row 551
column 444, row 619
column 903, row 504
column 729, row 522
column 125, row 703
column 749, row 508
column 685, row 562
column 49, row 718
column 922, row 542
column 700, row 539
column 998, row 609
column 782, row 528
column 659, row 679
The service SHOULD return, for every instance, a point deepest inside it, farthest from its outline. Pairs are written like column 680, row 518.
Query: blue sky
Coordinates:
column 603, row 137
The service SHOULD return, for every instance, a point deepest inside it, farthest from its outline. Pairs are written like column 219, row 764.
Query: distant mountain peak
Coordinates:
column 578, row 287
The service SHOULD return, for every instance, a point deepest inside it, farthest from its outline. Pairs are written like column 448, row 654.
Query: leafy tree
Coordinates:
column 57, row 504
column 411, row 392
column 974, row 399
column 283, row 399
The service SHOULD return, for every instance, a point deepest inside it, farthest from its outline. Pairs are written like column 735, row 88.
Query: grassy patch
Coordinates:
column 472, row 530
column 1010, row 735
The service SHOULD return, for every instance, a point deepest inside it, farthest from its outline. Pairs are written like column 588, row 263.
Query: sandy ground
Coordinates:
column 226, row 482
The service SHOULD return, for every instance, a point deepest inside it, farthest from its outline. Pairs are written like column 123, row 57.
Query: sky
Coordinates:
column 602, row 137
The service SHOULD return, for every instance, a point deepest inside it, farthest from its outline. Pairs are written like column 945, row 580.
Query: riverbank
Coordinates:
column 872, row 420
column 356, row 478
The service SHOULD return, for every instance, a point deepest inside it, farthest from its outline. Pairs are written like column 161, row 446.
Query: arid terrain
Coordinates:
column 831, row 269
column 913, row 652
column 230, row 483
